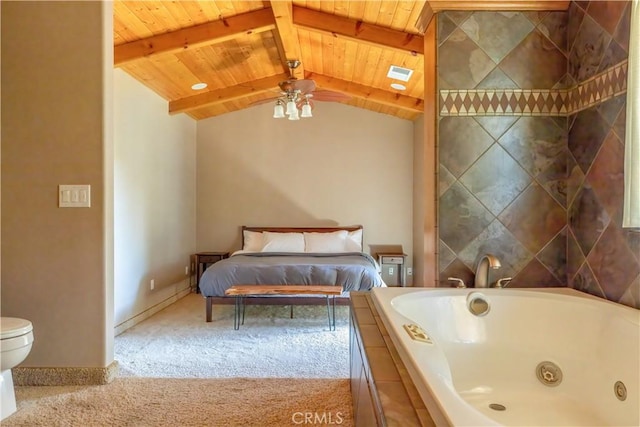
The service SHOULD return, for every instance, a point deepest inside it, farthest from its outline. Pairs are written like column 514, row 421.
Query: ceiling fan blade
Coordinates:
column 330, row 96
column 304, row 85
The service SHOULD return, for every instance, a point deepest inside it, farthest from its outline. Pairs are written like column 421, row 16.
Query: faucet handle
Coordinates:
column 460, row 282
column 503, row 283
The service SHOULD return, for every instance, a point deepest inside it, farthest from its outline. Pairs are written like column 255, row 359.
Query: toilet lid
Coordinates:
column 14, row 327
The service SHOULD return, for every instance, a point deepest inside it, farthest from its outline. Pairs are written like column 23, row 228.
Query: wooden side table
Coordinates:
column 397, row 259
column 203, row 260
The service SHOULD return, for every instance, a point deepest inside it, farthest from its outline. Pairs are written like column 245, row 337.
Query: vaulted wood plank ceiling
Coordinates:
column 240, row 49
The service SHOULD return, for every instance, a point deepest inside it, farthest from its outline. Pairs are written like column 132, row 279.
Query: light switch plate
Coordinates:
column 74, row 196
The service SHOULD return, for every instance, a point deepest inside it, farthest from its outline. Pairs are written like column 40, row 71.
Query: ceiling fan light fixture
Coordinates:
column 278, row 110
column 306, row 110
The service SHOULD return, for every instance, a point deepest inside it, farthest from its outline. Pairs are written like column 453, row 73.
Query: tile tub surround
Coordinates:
column 535, row 177
column 398, row 401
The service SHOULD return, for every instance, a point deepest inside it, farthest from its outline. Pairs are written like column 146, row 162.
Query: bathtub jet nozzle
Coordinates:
column 549, row 373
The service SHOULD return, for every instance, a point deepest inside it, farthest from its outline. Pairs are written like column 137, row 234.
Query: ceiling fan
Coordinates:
column 297, row 96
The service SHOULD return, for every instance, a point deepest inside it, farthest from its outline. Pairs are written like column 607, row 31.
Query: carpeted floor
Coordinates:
column 178, row 343
column 178, row 370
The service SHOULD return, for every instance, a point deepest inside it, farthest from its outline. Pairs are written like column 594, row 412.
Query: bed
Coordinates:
column 293, row 256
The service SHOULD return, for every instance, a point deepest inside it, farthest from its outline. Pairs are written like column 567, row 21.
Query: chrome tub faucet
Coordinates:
column 482, row 270
column 502, row 283
column 459, row 282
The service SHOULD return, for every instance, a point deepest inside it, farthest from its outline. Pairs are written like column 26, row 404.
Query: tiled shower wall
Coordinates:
column 603, row 258
column 505, row 149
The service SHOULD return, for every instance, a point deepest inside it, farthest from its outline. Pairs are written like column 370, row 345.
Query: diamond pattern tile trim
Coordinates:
column 536, row 102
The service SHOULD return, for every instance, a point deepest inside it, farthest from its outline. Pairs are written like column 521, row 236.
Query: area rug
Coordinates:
column 187, row 402
column 178, row 343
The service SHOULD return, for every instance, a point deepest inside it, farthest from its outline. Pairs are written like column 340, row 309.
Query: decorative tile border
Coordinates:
column 611, row 82
column 535, row 102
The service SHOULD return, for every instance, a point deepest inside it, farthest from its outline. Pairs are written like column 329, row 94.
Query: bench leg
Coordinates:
column 236, row 313
column 209, row 305
column 244, row 308
column 332, row 320
column 333, row 304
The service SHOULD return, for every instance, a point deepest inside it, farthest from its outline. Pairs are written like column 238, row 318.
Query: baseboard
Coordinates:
column 150, row 311
column 64, row 376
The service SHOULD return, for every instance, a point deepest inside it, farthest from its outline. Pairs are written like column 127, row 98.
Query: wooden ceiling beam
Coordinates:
column 199, row 35
column 194, row 102
column 368, row 93
column 286, row 35
column 357, row 30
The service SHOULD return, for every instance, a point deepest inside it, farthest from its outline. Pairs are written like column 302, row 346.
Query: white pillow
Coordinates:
column 253, row 241
column 334, row 241
column 283, row 242
column 354, row 241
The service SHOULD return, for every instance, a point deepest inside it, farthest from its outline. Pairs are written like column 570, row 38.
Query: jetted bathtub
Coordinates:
column 517, row 357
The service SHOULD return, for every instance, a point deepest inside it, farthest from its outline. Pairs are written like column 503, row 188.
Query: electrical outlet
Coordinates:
column 186, row 270
column 152, row 284
column 390, row 271
column 409, row 271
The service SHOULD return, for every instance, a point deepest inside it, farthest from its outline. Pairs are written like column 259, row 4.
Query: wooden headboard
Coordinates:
column 303, row 230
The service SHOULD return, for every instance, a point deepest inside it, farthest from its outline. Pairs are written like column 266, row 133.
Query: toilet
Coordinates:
column 15, row 344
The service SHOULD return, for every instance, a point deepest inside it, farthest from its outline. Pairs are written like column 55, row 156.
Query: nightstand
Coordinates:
column 396, row 259
column 203, row 260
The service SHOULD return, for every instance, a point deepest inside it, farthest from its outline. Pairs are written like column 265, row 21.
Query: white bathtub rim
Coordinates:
column 459, row 412
column 440, row 394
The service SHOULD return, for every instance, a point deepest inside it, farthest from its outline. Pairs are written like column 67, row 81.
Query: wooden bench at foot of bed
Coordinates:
column 241, row 291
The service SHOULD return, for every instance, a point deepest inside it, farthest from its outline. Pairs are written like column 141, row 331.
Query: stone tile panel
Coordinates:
column 534, row 218
column 497, row 33
column 496, row 179
column 606, row 175
column 498, row 241
column 465, row 62
column 457, row 231
column 607, row 13
column 588, row 49
column 462, row 142
column 587, row 218
column 585, row 281
column 535, row 275
column 554, row 257
column 535, row 142
column 613, row 264
column 535, row 63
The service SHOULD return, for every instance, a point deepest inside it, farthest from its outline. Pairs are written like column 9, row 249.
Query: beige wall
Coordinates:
column 343, row 166
column 155, row 210
column 55, row 121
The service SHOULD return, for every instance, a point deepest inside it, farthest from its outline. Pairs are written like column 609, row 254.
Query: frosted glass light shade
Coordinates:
column 294, row 115
column 278, row 111
column 291, row 107
column 306, row 111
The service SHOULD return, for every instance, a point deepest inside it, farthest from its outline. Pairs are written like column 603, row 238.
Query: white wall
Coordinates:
column 154, row 204
column 344, row 166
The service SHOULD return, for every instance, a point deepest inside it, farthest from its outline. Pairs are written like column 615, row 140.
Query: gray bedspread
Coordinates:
column 354, row 271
